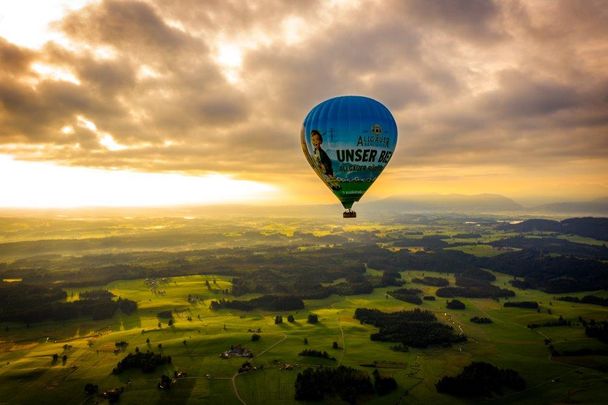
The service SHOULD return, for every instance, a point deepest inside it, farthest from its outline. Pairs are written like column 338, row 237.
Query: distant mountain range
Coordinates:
column 482, row 203
column 599, row 206
column 447, row 203
column 596, row 228
column 415, row 204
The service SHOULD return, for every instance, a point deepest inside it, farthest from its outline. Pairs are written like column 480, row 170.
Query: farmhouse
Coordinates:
column 236, row 351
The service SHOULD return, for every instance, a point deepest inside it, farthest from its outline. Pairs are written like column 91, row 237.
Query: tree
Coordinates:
column 91, row 389
column 316, row 353
column 480, row 379
column 383, row 385
column 165, row 382
column 456, row 304
column 313, row 318
column 146, row 362
column 345, row 382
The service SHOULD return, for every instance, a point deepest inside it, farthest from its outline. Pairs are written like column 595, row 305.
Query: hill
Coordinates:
column 596, row 228
column 447, row 203
column 595, row 207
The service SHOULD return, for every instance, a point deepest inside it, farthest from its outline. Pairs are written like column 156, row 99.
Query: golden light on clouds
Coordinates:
column 26, row 22
column 54, row 73
column 506, row 97
column 230, row 58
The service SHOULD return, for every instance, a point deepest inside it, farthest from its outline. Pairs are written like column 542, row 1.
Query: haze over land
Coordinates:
column 383, row 208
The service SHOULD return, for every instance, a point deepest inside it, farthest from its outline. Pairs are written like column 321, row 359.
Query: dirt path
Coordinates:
column 341, row 336
column 272, row 346
column 342, row 339
column 236, row 391
column 233, row 379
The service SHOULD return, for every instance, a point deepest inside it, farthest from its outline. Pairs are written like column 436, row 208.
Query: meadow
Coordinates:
column 198, row 336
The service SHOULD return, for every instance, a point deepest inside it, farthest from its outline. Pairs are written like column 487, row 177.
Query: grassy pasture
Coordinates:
column 26, row 368
column 28, row 375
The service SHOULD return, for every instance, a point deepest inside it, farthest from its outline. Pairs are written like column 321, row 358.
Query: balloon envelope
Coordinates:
column 348, row 141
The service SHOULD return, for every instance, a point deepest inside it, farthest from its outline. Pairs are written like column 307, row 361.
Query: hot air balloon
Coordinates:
column 348, row 141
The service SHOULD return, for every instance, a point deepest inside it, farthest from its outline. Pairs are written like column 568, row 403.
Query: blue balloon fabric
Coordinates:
column 348, row 141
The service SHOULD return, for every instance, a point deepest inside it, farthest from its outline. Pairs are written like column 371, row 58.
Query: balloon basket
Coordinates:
column 349, row 214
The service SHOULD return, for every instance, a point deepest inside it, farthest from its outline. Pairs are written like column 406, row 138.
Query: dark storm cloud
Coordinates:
column 470, row 82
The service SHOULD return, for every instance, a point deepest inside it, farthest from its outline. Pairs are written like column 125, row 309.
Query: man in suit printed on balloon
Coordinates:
column 322, row 162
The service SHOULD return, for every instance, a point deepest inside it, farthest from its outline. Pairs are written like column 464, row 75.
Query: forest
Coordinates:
column 414, row 328
column 34, row 303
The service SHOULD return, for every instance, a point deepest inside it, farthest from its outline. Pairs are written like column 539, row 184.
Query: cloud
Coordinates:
column 477, row 21
column 470, row 82
column 132, row 25
column 14, row 59
column 521, row 96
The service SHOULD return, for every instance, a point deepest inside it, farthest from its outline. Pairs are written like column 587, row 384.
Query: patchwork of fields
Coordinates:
column 28, row 373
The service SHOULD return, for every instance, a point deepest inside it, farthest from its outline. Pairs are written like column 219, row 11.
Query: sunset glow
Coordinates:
column 19, row 24
column 489, row 97
column 46, row 185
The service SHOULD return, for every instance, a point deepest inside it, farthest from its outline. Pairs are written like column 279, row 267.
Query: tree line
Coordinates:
column 480, row 379
column 31, row 303
column 414, row 328
column 266, row 302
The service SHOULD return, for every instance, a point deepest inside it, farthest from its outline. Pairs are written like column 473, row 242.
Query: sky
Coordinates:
column 202, row 102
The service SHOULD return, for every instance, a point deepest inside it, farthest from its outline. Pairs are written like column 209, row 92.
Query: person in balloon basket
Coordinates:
column 322, row 161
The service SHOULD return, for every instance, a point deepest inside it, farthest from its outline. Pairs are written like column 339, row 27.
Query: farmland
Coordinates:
column 198, row 335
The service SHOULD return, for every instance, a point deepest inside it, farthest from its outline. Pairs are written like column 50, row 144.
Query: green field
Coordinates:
column 26, row 369
column 64, row 249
